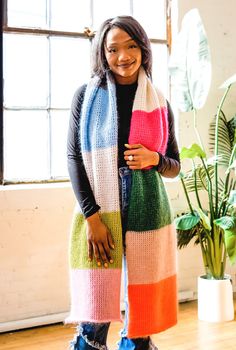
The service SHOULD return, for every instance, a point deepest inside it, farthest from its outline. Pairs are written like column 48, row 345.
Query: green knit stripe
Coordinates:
column 149, row 207
column 78, row 244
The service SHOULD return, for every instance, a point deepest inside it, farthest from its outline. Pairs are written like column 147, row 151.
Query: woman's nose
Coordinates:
column 124, row 55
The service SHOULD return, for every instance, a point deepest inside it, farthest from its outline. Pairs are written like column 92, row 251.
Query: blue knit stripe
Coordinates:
column 99, row 118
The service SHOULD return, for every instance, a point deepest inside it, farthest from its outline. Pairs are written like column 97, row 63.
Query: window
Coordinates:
column 46, row 56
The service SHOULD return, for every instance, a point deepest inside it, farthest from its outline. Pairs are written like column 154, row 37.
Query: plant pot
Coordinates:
column 215, row 299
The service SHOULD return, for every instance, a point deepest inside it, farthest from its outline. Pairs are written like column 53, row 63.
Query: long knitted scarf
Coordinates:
column 150, row 236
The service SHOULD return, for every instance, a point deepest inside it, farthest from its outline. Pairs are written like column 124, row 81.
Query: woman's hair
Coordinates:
column 134, row 30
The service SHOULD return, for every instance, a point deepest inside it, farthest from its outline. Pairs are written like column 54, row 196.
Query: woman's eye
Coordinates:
column 133, row 46
column 111, row 50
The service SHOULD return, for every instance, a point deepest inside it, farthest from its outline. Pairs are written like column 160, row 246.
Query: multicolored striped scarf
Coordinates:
column 150, row 236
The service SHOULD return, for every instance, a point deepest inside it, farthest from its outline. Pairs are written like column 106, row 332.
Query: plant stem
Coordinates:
column 221, row 248
column 232, row 155
column 210, row 253
column 209, row 257
column 195, row 128
column 195, row 186
column 210, row 196
column 217, row 147
column 226, row 184
column 217, row 249
column 225, row 196
column 223, row 263
column 187, row 196
column 203, row 251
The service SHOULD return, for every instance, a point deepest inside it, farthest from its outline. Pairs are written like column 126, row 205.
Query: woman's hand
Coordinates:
column 141, row 157
column 99, row 240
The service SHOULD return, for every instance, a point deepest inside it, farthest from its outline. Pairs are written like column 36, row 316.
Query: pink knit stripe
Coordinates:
column 95, row 295
column 146, row 255
column 145, row 126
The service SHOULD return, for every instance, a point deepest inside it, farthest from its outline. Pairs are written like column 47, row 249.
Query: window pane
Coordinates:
column 25, row 145
column 27, row 13
column 25, row 70
column 159, row 68
column 70, row 68
column 70, row 15
column 152, row 15
column 105, row 9
column 59, row 127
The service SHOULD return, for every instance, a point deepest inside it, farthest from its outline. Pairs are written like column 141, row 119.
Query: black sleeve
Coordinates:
column 77, row 173
column 169, row 164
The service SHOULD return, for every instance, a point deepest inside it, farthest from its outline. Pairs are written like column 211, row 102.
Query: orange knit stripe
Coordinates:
column 153, row 308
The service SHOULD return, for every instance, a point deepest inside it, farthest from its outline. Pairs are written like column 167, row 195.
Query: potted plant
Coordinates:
column 212, row 225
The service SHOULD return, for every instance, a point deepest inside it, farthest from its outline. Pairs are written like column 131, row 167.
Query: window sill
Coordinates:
column 35, row 186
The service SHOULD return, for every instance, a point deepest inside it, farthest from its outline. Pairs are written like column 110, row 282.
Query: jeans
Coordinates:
column 92, row 336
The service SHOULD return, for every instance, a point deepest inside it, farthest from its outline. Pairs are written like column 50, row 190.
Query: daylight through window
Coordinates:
column 46, row 57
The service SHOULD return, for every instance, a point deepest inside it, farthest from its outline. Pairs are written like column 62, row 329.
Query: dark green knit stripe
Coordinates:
column 78, row 244
column 149, row 205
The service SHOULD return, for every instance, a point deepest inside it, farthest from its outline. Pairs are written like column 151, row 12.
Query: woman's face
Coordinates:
column 124, row 56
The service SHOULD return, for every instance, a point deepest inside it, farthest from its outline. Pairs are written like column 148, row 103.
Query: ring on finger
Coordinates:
column 131, row 158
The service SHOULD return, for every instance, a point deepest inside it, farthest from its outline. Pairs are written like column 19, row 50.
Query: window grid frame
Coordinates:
column 55, row 33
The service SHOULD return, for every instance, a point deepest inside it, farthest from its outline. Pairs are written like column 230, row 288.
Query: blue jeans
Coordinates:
column 92, row 336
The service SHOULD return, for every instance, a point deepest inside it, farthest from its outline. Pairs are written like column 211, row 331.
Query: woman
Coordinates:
column 121, row 139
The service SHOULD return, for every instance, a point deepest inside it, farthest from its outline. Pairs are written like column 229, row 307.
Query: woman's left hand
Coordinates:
column 141, row 157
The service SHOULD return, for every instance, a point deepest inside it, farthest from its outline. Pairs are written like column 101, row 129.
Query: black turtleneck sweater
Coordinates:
column 169, row 164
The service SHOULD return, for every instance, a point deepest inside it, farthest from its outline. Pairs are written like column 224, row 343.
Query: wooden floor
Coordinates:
column 189, row 334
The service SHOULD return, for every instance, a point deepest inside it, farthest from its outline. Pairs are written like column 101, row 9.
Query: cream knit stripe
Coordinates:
column 101, row 168
column 147, row 97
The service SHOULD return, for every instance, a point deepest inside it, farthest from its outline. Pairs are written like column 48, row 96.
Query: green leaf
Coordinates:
column 230, row 242
column 201, row 178
column 232, row 130
column 232, row 166
column 225, row 222
column 232, row 197
column 189, row 65
column 181, row 175
column 226, row 138
column 232, row 161
column 228, row 82
column 213, row 160
column 192, row 152
column 204, row 219
column 186, row 222
column 185, row 237
column 228, row 224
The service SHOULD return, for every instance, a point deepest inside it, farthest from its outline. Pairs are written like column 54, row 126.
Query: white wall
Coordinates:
column 35, row 220
column 34, row 230
column 219, row 23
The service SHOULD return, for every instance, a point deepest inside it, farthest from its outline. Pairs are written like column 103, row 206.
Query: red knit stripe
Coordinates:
column 153, row 308
column 145, row 126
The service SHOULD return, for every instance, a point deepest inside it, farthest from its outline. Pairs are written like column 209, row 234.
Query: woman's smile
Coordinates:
column 126, row 65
